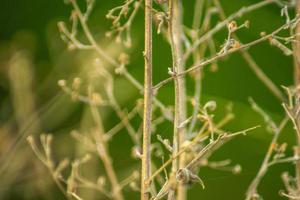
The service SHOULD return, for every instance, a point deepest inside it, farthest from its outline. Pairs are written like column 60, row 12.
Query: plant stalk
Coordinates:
column 148, row 96
column 104, row 155
column 175, row 31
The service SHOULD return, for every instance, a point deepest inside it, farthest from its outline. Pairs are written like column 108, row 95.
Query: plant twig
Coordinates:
column 104, row 155
column 252, row 63
column 220, row 25
column 229, row 52
column 252, row 190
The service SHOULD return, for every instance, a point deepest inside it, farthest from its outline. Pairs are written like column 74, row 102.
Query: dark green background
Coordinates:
column 31, row 25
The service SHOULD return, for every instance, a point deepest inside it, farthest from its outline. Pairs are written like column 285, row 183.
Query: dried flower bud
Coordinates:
column 171, row 72
column 136, row 153
column 236, row 44
column 124, row 58
column 30, row 140
column 76, row 83
column 211, row 105
column 262, row 34
column 86, row 158
column 96, row 98
column 71, row 47
column 185, row 176
column 134, row 186
column 108, row 34
column 120, row 69
column 247, row 24
column 101, row 181
column 135, row 174
column 232, row 26
column 61, row 26
column 61, row 166
column 237, row 169
column 118, row 39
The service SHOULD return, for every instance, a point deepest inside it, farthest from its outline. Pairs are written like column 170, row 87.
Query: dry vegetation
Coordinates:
column 168, row 166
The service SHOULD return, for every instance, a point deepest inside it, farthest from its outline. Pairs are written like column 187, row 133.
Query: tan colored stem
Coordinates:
column 175, row 31
column 252, row 63
column 252, row 190
column 105, row 157
column 148, row 96
column 223, row 55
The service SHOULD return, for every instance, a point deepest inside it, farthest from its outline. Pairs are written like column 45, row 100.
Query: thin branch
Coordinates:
column 104, row 155
column 252, row 63
column 229, row 52
column 252, row 190
column 220, row 25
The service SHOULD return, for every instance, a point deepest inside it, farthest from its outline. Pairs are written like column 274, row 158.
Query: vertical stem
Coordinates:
column 175, row 31
column 296, row 48
column 105, row 157
column 146, row 159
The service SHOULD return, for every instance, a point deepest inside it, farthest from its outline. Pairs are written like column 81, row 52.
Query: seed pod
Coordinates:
column 187, row 177
column 232, row 26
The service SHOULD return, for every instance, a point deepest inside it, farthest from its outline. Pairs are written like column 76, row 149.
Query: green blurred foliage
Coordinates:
column 30, row 26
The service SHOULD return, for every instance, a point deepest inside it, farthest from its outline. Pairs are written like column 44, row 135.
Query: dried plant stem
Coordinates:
column 219, row 26
column 93, row 45
column 252, row 190
column 104, row 155
column 148, row 93
column 199, row 137
column 175, row 31
column 252, row 63
column 231, row 51
column 296, row 48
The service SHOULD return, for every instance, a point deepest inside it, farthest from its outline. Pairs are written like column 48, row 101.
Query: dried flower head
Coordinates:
column 124, row 58
column 232, row 26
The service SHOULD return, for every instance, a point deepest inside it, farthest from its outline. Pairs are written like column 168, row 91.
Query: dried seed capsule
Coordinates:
column 232, row 25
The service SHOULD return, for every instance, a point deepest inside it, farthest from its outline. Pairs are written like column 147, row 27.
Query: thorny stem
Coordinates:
column 252, row 190
column 104, row 155
column 231, row 51
column 175, row 31
column 252, row 63
column 146, row 156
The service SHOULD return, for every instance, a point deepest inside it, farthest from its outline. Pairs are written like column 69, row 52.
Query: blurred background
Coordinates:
column 33, row 58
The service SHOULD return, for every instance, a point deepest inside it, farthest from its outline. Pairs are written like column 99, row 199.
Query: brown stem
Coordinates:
column 146, row 159
column 175, row 31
